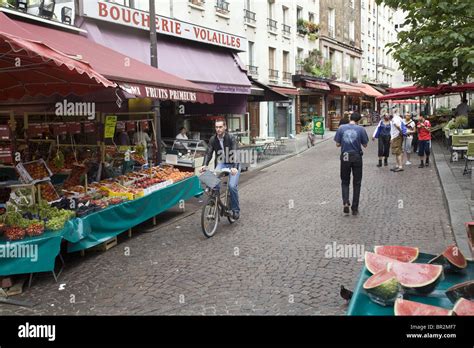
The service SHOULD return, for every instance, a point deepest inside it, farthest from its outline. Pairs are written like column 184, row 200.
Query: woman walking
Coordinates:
column 407, row 141
column 382, row 133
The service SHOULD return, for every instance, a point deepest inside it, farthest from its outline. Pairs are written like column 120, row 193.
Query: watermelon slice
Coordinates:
column 452, row 259
column 464, row 307
column 383, row 287
column 376, row 263
column 457, row 291
column 417, row 277
column 406, row 307
column 399, row 253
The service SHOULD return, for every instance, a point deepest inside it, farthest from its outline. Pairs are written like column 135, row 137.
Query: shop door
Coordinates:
column 254, row 110
column 282, row 122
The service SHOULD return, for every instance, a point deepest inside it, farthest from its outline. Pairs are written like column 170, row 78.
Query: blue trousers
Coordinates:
column 233, row 186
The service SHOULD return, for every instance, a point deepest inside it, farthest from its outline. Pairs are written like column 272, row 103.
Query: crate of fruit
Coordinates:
column 34, row 171
column 47, row 192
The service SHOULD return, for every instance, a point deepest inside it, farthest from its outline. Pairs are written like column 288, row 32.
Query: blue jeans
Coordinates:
column 233, row 186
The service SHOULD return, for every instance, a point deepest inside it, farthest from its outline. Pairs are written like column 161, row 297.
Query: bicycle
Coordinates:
column 218, row 203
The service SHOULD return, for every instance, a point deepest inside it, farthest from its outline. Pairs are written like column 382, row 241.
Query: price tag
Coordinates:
column 110, row 123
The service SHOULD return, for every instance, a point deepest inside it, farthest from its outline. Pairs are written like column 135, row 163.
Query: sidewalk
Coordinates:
column 294, row 147
column 457, row 190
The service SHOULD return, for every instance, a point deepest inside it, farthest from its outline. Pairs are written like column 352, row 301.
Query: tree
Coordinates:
column 436, row 43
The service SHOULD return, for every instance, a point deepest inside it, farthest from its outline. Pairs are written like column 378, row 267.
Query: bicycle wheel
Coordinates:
column 229, row 217
column 210, row 217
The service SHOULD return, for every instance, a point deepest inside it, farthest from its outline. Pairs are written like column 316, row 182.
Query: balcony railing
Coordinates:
column 286, row 76
column 299, row 69
column 273, row 74
column 272, row 24
column 222, row 6
column 197, row 2
column 252, row 70
column 249, row 17
column 331, row 31
column 286, row 29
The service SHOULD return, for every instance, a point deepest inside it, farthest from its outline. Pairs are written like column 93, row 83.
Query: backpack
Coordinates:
column 404, row 129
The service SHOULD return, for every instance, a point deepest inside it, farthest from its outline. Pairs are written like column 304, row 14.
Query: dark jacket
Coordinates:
column 230, row 144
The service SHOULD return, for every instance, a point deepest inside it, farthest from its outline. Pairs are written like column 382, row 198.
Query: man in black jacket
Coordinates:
column 224, row 146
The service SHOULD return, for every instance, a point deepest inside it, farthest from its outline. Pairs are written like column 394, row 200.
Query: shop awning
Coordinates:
column 284, row 90
column 139, row 79
column 417, row 91
column 30, row 68
column 368, row 90
column 345, row 88
column 316, row 85
column 262, row 92
column 214, row 68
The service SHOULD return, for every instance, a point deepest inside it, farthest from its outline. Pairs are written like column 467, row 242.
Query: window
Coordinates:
column 247, row 5
column 332, row 22
column 271, row 7
column 351, row 2
column 272, row 72
column 299, row 13
column 285, row 14
column 311, row 17
column 351, row 31
column 286, row 67
column 251, row 52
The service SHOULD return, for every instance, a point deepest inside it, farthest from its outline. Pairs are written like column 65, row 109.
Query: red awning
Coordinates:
column 420, row 92
column 286, row 91
column 113, row 66
column 345, row 88
column 316, row 85
column 417, row 91
column 368, row 90
column 408, row 101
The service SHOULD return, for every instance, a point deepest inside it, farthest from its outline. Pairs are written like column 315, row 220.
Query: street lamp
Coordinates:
column 154, row 63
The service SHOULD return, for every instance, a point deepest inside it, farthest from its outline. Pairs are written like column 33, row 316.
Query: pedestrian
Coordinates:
column 407, row 141
column 350, row 138
column 382, row 133
column 424, row 141
column 345, row 119
column 396, row 141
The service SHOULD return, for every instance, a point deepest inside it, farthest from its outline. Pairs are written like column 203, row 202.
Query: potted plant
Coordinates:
column 461, row 122
column 301, row 27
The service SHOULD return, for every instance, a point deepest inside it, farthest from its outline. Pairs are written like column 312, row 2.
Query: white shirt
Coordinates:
column 410, row 127
column 182, row 136
column 141, row 138
column 396, row 122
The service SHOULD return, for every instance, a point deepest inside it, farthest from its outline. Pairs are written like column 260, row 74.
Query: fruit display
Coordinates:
column 35, row 229
column 417, row 278
column 14, row 233
column 37, row 170
column 140, row 160
column 451, row 259
column 376, row 263
column 411, row 308
column 464, row 307
column 465, row 289
column 47, row 191
column 400, row 253
column 383, row 287
column 75, row 178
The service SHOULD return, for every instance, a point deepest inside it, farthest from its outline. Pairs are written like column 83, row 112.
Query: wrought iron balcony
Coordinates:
column 272, row 24
column 286, row 76
column 286, row 29
column 273, row 74
column 252, row 70
column 249, row 17
column 222, row 6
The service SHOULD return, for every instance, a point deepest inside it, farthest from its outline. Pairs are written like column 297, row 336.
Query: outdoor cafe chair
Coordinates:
column 458, row 145
column 469, row 157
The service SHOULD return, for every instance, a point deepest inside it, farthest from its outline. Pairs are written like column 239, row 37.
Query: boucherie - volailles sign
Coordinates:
column 123, row 15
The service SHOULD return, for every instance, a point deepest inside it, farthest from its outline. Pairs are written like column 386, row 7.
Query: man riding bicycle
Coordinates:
column 224, row 146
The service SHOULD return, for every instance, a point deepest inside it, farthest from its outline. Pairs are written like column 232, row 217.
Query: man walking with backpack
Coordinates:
column 350, row 138
column 396, row 140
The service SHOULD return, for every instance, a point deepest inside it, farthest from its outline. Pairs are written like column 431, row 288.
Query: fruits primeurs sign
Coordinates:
column 123, row 15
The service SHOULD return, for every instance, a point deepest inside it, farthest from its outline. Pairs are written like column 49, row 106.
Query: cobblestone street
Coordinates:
column 271, row 262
